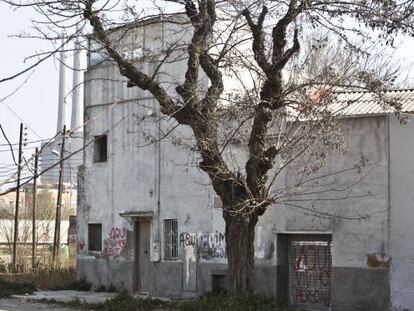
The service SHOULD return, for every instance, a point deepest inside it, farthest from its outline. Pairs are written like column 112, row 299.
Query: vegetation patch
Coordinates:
column 81, row 285
column 209, row 302
column 8, row 288
column 126, row 302
column 45, row 277
column 222, row 302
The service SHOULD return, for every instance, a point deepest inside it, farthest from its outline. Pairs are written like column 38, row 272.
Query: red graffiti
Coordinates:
column 80, row 245
column 116, row 242
column 311, row 296
column 313, row 270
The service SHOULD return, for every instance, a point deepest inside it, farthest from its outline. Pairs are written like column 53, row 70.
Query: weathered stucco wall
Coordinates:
column 354, row 211
column 140, row 171
column 141, row 175
column 401, row 213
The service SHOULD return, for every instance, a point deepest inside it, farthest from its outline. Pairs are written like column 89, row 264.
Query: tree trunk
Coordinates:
column 240, row 253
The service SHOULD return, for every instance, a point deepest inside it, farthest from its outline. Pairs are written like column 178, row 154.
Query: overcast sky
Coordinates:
column 36, row 101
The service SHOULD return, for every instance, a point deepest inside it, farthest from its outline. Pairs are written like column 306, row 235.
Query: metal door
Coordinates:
column 309, row 272
column 142, row 256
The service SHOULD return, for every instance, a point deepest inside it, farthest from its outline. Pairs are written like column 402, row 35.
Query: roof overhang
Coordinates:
column 134, row 216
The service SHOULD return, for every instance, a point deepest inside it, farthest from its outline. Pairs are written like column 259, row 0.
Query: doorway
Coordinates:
column 143, row 271
column 309, row 272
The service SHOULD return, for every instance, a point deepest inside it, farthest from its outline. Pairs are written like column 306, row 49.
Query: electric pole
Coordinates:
column 16, row 214
column 56, row 240
column 34, row 209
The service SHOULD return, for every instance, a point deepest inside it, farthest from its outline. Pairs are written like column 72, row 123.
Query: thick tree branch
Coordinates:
column 262, row 156
column 258, row 39
column 210, row 101
column 279, row 32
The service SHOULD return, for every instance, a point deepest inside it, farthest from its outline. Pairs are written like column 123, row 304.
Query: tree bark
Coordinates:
column 240, row 252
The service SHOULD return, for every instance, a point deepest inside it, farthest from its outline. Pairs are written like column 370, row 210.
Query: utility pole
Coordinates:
column 16, row 214
column 34, row 209
column 56, row 240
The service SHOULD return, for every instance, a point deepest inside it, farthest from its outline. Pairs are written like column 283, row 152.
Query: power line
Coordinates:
column 18, row 117
column 27, row 143
column 57, row 163
column 8, row 141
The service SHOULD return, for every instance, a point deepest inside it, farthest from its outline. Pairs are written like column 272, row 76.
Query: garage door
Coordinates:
column 309, row 272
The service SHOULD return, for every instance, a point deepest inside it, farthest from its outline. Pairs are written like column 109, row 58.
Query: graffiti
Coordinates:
column 313, row 296
column 116, row 242
column 80, row 246
column 207, row 245
column 312, row 268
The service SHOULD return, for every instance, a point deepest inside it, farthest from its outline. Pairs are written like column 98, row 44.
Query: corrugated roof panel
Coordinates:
column 366, row 103
column 363, row 103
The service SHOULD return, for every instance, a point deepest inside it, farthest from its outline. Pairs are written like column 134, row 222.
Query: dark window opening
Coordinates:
column 218, row 283
column 100, row 152
column 170, row 239
column 95, row 237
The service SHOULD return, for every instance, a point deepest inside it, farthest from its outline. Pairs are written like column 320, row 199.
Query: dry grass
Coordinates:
column 45, row 278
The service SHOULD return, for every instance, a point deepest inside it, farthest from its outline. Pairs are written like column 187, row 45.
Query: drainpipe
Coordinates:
column 159, row 155
column 389, row 190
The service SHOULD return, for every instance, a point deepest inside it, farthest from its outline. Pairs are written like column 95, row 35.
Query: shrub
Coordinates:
column 81, row 285
column 10, row 288
column 125, row 302
column 211, row 302
column 101, row 288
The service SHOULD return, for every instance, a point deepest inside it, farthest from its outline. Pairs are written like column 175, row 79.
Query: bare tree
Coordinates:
column 288, row 77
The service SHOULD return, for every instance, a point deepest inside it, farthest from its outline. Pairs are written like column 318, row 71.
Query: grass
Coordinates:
column 209, row 302
column 222, row 302
column 46, row 278
column 81, row 285
column 8, row 288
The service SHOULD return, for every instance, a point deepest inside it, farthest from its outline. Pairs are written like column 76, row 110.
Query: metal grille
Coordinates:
column 310, row 273
column 170, row 239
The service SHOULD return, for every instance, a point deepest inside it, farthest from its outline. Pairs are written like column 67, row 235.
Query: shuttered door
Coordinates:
column 310, row 272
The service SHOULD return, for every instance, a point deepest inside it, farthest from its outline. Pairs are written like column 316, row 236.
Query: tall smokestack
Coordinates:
column 62, row 89
column 77, row 90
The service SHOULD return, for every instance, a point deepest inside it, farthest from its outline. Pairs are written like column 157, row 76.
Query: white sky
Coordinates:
column 36, row 101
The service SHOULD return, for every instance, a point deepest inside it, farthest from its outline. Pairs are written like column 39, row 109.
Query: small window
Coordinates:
column 218, row 283
column 170, row 239
column 100, row 149
column 95, row 237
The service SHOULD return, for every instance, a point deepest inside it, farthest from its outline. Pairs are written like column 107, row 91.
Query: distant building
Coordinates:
column 148, row 222
column 70, row 113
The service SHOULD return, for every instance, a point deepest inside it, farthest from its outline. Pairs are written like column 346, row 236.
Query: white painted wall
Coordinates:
column 402, row 213
column 353, row 240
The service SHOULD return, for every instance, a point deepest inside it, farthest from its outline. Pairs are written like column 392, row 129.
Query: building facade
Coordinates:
column 149, row 222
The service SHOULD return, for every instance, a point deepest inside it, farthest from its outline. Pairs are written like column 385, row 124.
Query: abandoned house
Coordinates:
column 149, row 222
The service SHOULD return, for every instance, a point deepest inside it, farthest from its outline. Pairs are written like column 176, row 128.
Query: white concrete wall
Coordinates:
column 364, row 193
column 129, row 180
column 402, row 213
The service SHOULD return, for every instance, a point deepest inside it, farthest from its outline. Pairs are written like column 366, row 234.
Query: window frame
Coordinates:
column 100, row 149
column 170, row 236
column 98, row 234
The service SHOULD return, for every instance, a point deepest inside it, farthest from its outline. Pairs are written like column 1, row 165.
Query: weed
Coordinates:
column 81, row 285
column 8, row 288
column 101, row 288
column 212, row 302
